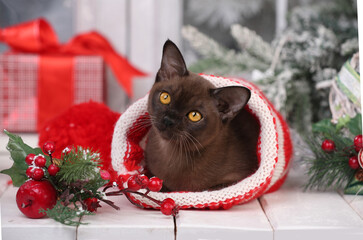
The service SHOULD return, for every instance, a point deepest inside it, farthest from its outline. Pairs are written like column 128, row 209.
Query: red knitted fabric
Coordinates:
column 89, row 125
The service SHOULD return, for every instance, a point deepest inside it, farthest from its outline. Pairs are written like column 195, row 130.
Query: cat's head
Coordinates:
column 183, row 104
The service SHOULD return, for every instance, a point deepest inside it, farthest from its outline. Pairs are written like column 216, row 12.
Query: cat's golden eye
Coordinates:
column 194, row 116
column 165, row 98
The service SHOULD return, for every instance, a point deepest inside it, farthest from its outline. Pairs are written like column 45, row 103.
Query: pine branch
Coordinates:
column 329, row 170
column 249, row 41
column 206, row 46
column 212, row 50
column 80, row 164
column 66, row 215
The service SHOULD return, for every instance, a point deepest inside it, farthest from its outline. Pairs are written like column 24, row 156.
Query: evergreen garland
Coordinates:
column 331, row 170
column 318, row 40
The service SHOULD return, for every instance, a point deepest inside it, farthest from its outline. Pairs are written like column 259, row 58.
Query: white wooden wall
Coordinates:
column 137, row 30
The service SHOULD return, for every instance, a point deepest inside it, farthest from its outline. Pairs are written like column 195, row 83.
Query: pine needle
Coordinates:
column 328, row 170
column 81, row 164
column 66, row 215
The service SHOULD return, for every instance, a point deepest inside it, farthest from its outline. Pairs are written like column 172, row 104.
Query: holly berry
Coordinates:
column 353, row 162
column 29, row 172
column 155, row 184
column 168, row 207
column 358, row 142
column 133, row 183
column 105, row 175
column 92, row 204
column 120, row 182
column 38, row 174
column 53, row 169
column 137, row 182
column 35, row 195
column 29, row 159
column 144, row 181
column 40, row 161
column 328, row 145
column 49, row 147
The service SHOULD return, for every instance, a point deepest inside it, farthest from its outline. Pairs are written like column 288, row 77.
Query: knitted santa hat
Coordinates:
column 274, row 151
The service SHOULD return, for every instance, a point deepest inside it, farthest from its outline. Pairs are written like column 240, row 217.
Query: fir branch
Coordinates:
column 249, row 41
column 210, row 49
column 206, row 46
column 81, row 164
column 66, row 215
column 329, row 170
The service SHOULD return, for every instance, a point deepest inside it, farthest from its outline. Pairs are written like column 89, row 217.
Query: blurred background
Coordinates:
column 292, row 49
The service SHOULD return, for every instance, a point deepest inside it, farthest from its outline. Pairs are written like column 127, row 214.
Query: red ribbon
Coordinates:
column 56, row 62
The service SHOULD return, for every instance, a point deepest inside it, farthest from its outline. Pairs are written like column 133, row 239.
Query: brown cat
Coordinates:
column 201, row 137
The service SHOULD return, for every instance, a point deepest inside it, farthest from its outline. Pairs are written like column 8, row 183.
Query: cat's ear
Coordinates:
column 230, row 100
column 172, row 63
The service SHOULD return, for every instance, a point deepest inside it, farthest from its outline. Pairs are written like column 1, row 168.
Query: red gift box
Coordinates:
column 19, row 88
column 43, row 85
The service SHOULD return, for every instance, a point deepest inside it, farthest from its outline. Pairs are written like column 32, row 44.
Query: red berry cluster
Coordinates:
column 37, row 170
column 37, row 163
column 355, row 161
column 154, row 184
column 138, row 182
column 37, row 193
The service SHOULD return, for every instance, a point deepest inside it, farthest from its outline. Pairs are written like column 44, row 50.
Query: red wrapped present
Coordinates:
column 19, row 89
column 41, row 78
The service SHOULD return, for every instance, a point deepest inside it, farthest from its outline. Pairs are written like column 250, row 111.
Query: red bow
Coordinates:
column 38, row 37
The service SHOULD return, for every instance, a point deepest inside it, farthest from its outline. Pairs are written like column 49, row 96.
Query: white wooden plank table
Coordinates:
column 289, row 213
column 295, row 214
column 356, row 202
column 129, row 222
column 16, row 226
column 246, row 221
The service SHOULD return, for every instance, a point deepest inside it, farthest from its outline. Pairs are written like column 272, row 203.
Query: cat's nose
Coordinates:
column 168, row 122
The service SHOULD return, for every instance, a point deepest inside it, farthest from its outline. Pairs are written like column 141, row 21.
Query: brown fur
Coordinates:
column 217, row 151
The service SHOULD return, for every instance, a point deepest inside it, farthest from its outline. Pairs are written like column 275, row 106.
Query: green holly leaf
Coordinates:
column 354, row 187
column 17, row 175
column 355, row 125
column 18, row 151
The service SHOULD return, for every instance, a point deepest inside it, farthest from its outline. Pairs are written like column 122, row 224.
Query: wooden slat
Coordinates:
column 110, row 19
column 95, row 15
column 246, row 221
column 129, row 222
column 356, row 202
column 168, row 23
column 151, row 23
column 17, row 226
column 142, row 43
column 295, row 214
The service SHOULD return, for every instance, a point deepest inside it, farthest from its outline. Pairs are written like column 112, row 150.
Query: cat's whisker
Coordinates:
column 140, row 125
column 182, row 145
column 193, row 140
column 173, row 150
column 136, row 130
column 188, row 151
